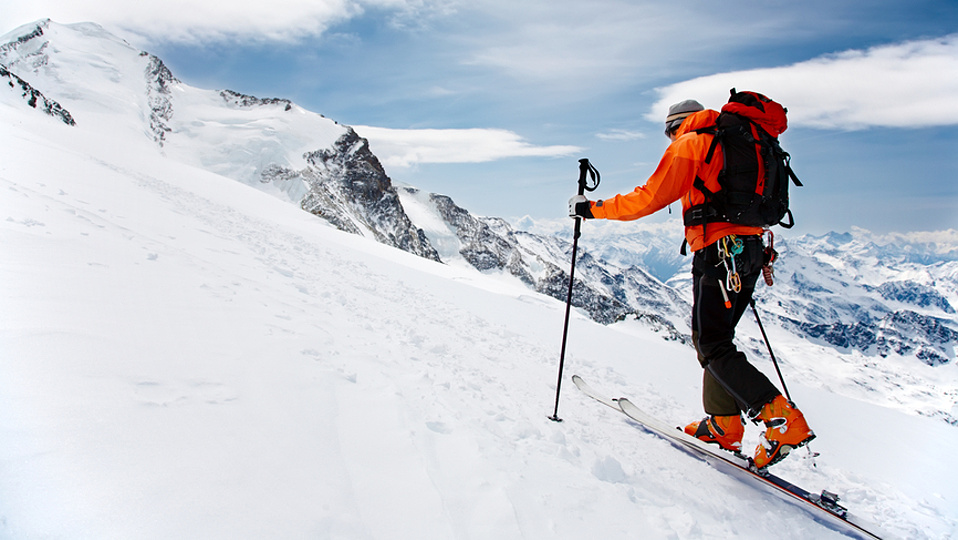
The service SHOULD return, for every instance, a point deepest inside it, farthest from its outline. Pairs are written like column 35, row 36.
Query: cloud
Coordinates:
column 409, row 147
column 193, row 21
column 620, row 135
column 909, row 84
column 938, row 241
column 610, row 45
column 568, row 43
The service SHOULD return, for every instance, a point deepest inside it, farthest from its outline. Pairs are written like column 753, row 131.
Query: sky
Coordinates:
column 493, row 102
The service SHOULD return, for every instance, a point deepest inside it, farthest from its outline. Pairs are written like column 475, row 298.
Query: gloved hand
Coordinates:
column 580, row 207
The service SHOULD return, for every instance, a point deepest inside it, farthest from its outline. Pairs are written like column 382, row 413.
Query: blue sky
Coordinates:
column 493, row 102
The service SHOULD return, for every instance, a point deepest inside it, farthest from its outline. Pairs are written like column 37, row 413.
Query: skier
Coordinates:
column 727, row 260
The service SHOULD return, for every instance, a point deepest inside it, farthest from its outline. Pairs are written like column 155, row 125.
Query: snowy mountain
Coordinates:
column 301, row 156
column 607, row 292
column 269, row 143
column 857, row 299
column 186, row 356
column 856, row 295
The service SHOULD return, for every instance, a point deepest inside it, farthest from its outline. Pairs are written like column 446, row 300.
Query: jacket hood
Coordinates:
column 697, row 120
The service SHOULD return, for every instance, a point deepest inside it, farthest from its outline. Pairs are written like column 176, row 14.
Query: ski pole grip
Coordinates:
column 587, row 170
column 583, row 173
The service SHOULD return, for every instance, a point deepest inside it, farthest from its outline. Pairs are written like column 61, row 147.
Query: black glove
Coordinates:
column 580, row 207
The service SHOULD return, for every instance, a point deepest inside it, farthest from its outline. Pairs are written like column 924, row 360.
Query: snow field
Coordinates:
column 184, row 356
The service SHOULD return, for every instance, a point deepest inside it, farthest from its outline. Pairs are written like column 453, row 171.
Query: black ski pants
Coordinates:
column 731, row 384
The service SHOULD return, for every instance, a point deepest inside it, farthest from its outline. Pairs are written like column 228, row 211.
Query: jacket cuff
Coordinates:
column 598, row 209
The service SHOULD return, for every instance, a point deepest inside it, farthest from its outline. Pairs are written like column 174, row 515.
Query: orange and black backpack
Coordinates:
column 754, row 179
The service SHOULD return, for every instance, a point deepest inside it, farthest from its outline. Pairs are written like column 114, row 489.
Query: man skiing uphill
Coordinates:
column 728, row 258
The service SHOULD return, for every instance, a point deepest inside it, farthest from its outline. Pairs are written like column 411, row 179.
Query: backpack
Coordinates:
column 754, row 179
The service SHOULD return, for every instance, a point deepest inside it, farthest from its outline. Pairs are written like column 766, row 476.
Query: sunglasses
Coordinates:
column 672, row 126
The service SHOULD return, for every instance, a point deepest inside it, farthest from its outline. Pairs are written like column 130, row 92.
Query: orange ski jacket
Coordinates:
column 672, row 180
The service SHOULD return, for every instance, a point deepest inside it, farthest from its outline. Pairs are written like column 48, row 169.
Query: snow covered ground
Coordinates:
column 183, row 356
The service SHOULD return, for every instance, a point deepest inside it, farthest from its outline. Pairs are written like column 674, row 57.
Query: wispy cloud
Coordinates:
column 570, row 44
column 191, row 21
column 409, row 147
column 607, row 45
column 910, row 84
column 620, row 135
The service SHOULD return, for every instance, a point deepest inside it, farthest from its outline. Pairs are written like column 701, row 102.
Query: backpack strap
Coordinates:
column 711, row 130
column 701, row 212
column 711, row 152
column 791, row 173
column 791, row 220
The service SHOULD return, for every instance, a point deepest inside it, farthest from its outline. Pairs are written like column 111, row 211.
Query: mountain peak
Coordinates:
column 24, row 33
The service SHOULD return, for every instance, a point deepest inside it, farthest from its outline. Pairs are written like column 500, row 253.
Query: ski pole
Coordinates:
column 769, row 346
column 585, row 170
column 775, row 363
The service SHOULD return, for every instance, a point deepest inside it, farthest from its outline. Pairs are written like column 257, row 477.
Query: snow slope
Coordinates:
column 184, row 356
column 131, row 94
column 877, row 314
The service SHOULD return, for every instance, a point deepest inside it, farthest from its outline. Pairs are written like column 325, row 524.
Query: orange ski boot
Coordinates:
column 725, row 431
column 786, row 429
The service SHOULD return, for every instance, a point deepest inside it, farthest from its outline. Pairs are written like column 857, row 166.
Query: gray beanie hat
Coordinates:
column 679, row 111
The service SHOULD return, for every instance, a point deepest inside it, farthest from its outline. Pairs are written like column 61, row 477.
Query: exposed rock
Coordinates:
column 34, row 98
column 159, row 81
column 243, row 100
column 349, row 188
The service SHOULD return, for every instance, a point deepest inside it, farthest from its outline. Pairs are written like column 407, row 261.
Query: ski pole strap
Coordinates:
column 586, row 171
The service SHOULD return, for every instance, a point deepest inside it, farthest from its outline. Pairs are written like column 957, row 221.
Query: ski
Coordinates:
column 823, row 507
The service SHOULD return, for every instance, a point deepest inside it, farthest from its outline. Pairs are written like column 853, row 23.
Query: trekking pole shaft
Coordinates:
column 584, row 169
column 565, row 326
column 769, row 346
